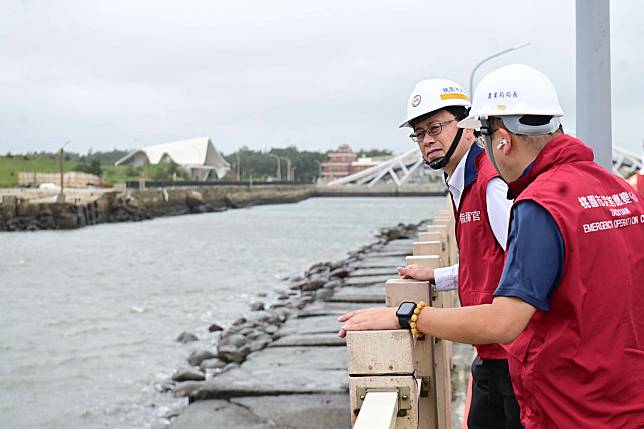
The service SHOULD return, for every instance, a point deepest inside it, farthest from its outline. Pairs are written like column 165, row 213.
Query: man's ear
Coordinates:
column 505, row 143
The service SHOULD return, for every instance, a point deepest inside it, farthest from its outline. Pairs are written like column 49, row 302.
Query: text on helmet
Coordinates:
column 502, row 94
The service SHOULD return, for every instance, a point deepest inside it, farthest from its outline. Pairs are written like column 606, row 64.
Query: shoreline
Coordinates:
column 22, row 210
column 31, row 211
column 272, row 334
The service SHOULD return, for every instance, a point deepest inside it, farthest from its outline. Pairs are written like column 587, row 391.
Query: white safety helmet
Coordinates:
column 512, row 92
column 434, row 94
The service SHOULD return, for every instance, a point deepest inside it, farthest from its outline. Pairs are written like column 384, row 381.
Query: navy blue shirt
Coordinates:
column 535, row 256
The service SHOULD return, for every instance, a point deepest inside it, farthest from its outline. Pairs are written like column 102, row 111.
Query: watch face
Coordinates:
column 406, row 309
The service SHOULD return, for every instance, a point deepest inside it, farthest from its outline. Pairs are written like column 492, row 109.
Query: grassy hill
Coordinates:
column 47, row 163
column 10, row 166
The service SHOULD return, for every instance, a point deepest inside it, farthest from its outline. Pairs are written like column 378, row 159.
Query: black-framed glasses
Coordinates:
column 433, row 130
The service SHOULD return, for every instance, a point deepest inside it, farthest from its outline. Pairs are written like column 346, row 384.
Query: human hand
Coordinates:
column 370, row 319
column 416, row 272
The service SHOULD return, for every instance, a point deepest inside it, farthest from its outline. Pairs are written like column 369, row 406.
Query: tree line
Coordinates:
column 245, row 163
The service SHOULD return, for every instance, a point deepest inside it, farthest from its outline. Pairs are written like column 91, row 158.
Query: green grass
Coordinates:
column 9, row 167
column 119, row 174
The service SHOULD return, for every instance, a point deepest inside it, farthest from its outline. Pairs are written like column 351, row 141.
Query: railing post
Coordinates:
column 396, row 381
column 441, row 349
column 400, row 290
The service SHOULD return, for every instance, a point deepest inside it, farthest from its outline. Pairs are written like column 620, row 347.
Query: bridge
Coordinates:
column 408, row 168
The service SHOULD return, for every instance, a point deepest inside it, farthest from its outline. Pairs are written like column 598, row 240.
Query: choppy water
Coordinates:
column 88, row 318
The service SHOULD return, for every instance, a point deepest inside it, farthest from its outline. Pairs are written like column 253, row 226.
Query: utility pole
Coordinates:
column 593, row 78
column 278, row 172
column 61, row 196
column 238, row 168
column 288, row 168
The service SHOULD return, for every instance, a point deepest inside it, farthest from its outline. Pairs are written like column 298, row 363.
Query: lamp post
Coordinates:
column 288, row 168
column 278, row 172
column 498, row 54
column 61, row 196
column 238, row 168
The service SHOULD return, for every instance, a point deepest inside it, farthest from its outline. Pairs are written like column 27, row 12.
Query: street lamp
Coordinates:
column 288, row 168
column 278, row 173
column 61, row 196
column 498, row 54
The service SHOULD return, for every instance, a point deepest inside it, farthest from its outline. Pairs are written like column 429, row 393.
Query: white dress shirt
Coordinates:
column 498, row 213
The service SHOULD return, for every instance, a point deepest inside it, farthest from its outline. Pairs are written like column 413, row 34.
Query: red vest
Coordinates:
column 480, row 255
column 581, row 364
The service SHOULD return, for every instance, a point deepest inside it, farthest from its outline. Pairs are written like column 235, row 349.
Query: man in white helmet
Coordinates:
column 482, row 211
column 570, row 302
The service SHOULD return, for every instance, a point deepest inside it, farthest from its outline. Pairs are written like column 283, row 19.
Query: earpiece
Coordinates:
column 502, row 143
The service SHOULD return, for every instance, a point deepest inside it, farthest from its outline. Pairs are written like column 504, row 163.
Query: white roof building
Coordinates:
column 198, row 156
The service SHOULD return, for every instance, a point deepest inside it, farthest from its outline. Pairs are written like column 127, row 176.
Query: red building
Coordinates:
column 338, row 163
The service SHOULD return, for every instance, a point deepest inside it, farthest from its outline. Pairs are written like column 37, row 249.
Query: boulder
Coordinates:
column 198, row 356
column 187, row 387
column 187, row 337
column 233, row 354
column 332, row 284
column 212, row 364
column 257, row 306
column 240, row 321
column 341, row 272
column 323, row 294
column 215, row 328
column 236, row 340
column 188, row 374
column 313, row 284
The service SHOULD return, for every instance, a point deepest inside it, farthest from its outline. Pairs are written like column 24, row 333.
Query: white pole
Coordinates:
column 378, row 411
column 593, row 79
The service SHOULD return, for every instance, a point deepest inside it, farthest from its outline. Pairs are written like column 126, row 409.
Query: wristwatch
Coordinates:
column 404, row 313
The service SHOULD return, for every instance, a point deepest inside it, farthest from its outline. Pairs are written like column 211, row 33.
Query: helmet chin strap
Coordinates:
column 441, row 162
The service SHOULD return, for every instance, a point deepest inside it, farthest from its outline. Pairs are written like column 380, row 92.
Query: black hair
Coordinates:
column 459, row 112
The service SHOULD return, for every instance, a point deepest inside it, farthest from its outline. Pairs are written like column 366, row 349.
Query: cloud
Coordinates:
column 263, row 74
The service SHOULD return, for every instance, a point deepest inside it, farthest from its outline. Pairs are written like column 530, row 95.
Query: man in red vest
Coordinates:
column 482, row 210
column 570, row 302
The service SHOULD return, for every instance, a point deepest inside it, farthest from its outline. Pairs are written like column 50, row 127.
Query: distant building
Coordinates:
column 197, row 156
column 344, row 162
column 338, row 163
column 367, row 162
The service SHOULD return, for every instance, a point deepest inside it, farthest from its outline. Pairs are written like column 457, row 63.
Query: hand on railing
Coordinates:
column 416, row 272
column 369, row 319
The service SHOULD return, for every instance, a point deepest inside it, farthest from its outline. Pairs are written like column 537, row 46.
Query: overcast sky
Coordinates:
column 128, row 73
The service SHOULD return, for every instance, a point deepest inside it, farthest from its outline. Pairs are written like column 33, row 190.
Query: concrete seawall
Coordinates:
column 383, row 190
column 32, row 209
column 22, row 210
column 170, row 201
